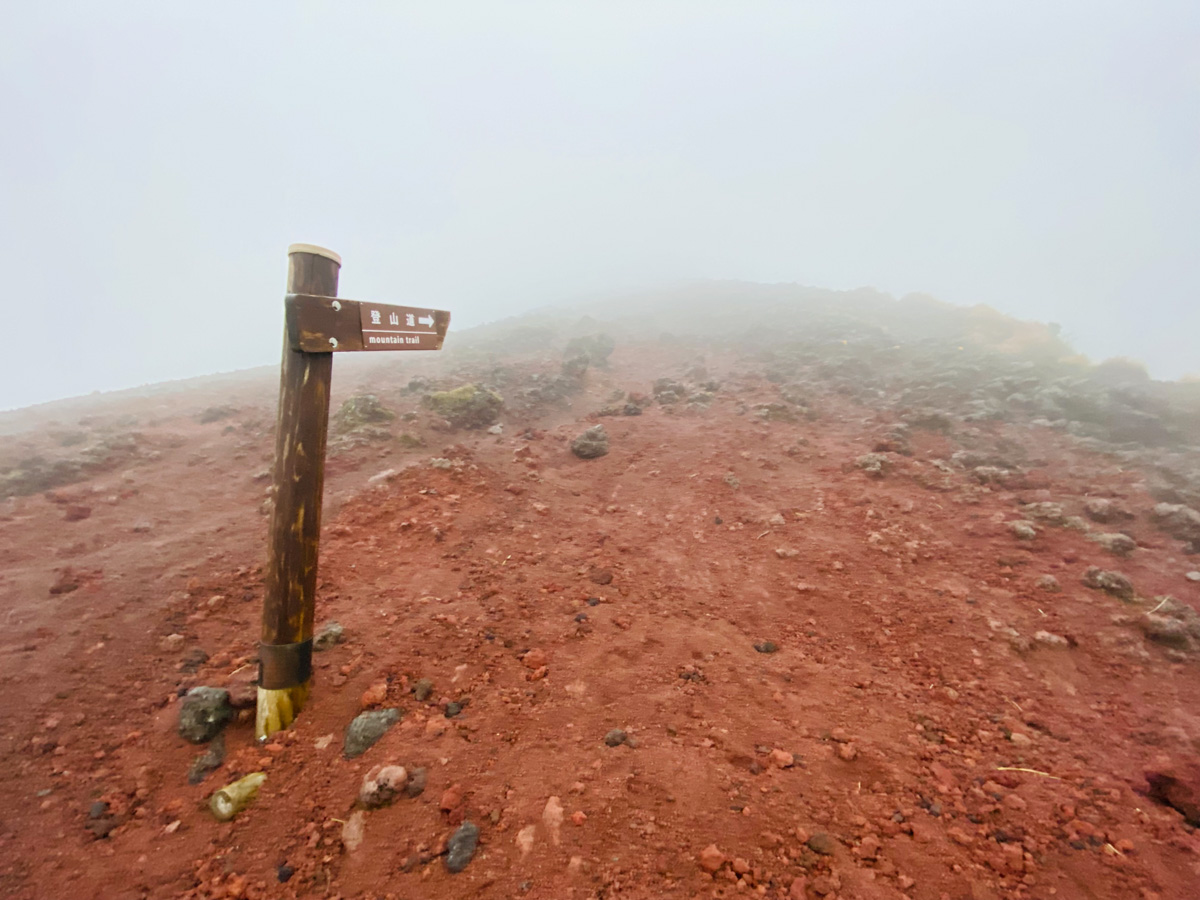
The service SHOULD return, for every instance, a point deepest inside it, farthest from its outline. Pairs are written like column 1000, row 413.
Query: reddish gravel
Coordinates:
column 931, row 724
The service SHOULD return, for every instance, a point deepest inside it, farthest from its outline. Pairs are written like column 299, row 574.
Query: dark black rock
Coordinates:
column 453, row 709
column 204, row 713
column 208, row 761
column 284, row 873
column 366, row 729
column 766, row 647
column 461, row 847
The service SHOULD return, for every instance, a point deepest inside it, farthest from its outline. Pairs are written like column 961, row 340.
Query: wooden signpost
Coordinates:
column 318, row 324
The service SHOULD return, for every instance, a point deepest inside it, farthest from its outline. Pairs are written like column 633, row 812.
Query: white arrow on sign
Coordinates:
column 426, row 320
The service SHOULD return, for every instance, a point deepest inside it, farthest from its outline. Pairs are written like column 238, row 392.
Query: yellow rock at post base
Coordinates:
column 233, row 798
column 277, row 709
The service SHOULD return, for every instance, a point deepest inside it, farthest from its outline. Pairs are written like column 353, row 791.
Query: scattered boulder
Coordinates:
column 1049, row 583
column 1113, row 583
column 359, row 411
column 1045, row 511
column 775, row 412
column 215, row 414
column 469, row 406
column 592, row 444
column 1024, row 531
column 593, row 349
column 205, row 711
column 667, row 391
column 874, row 464
column 366, row 729
column 1166, row 631
column 1178, row 521
column 1172, row 623
column 1117, row 544
column 1105, row 511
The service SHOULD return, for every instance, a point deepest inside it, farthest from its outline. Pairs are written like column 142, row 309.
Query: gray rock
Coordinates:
column 204, row 713
column 1116, row 544
column 366, row 729
column 461, row 847
column 1192, row 576
column 208, row 761
column 1049, row 583
column 592, row 444
column 1178, row 521
column 1101, row 509
column 1110, row 582
column 766, row 647
column 332, row 634
column 616, row 738
column 1166, row 630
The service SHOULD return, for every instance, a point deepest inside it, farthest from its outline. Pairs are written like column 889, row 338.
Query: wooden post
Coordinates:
column 285, row 654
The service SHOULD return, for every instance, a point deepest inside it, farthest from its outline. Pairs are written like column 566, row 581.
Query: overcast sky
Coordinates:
column 158, row 158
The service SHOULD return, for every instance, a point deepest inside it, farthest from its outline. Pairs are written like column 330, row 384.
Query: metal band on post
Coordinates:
column 284, row 665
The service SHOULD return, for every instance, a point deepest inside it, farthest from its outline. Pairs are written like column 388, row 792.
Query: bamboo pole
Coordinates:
column 285, row 654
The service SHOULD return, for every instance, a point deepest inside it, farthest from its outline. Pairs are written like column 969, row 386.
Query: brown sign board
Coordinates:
column 319, row 324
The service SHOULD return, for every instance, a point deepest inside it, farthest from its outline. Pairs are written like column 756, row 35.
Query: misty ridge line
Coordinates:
column 705, row 309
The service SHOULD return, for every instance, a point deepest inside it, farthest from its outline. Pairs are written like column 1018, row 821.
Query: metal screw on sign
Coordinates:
column 317, row 325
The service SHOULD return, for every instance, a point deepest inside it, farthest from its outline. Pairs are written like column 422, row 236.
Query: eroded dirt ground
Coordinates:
column 929, row 720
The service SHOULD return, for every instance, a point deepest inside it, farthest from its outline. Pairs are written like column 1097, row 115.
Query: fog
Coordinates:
column 491, row 158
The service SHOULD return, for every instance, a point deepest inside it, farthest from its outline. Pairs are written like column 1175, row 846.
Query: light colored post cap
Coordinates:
column 315, row 250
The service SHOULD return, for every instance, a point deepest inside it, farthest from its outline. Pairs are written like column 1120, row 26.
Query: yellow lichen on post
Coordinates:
column 277, row 709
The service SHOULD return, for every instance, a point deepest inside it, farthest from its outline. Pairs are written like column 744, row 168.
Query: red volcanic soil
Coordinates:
column 926, row 720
